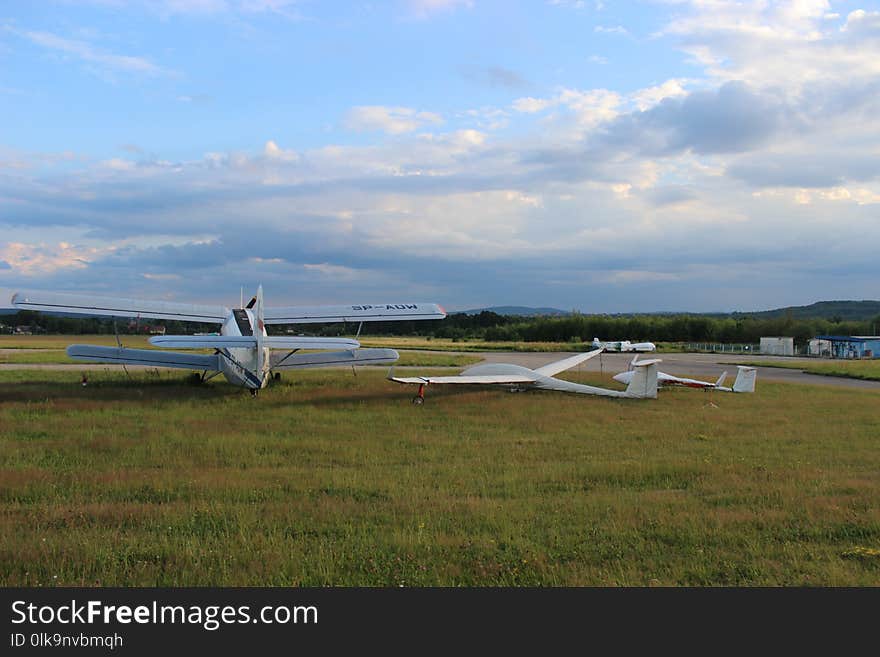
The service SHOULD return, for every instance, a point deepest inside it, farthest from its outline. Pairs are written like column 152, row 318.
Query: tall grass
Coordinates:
column 330, row 479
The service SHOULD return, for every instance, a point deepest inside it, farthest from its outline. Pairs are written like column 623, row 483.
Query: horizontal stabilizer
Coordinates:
column 333, row 359
column 249, row 341
column 380, row 312
column 552, row 369
column 146, row 357
column 80, row 304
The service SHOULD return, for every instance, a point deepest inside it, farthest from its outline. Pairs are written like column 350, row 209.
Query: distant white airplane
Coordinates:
column 242, row 349
column 624, row 345
column 744, row 382
column 643, row 383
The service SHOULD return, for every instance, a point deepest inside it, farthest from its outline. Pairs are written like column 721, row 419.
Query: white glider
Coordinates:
column 242, row 349
column 643, row 383
column 744, row 382
column 624, row 345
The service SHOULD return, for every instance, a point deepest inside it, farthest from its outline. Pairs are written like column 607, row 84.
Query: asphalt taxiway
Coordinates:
column 698, row 366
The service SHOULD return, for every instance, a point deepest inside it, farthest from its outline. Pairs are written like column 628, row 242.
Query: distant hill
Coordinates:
column 847, row 311
column 844, row 310
column 521, row 311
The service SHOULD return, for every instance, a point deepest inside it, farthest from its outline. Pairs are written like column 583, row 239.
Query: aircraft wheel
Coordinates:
column 418, row 401
column 255, row 392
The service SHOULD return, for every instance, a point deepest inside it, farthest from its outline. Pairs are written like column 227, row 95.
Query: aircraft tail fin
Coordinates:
column 720, row 381
column 260, row 331
column 258, row 308
column 745, row 379
column 643, row 384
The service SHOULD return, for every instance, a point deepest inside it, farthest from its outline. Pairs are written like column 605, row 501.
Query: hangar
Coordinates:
column 846, row 346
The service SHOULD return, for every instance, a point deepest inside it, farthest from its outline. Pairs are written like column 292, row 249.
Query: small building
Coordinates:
column 851, row 346
column 777, row 346
column 819, row 348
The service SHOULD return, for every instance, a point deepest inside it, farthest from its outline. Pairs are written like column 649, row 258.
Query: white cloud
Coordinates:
column 162, row 277
column 862, row 22
column 41, row 259
column 192, row 6
column 589, row 108
column 273, row 152
column 570, row 4
column 487, row 118
column 637, row 276
column 650, row 96
column 333, row 272
column 427, row 8
column 785, row 45
column 611, row 29
column 531, row 105
column 94, row 55
column 391, row 120
column 118, row 164
column 857, row 196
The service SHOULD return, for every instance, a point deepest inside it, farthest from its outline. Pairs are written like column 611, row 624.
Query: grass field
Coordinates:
column 61, row 341
column 328, row 479
column 853, row 369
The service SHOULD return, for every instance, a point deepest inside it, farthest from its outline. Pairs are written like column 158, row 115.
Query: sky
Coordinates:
column 600, row 156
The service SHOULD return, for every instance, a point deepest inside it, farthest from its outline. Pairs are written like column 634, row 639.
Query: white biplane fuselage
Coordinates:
column 243, row 366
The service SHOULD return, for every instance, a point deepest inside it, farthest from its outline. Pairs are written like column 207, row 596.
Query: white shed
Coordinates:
column 820, row 347
column 777, row 346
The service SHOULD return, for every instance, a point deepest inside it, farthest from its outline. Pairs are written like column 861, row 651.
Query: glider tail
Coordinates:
column 643, row 384
column 720, row 381
column 745, row 379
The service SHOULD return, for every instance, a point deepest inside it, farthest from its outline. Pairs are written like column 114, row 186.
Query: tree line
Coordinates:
column 657, row 328
column 492, row 327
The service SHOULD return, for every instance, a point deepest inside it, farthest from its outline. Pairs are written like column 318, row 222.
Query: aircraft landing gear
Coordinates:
column 255, row 392
column 419, row 399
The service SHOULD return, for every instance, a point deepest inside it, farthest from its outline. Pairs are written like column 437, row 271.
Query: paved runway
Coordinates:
column 698, row 366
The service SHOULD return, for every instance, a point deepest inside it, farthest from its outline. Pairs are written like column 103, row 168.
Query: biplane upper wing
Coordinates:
column 380, row 312
column 80, row 304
